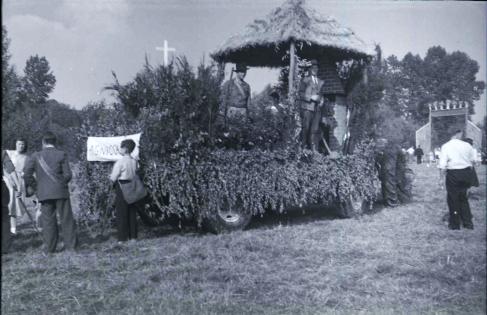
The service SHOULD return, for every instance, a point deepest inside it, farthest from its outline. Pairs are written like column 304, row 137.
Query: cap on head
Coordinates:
column 309, row 64
column 49, row 138
column 241, row 67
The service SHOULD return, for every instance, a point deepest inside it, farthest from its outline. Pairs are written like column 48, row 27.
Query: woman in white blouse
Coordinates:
column 17, row 189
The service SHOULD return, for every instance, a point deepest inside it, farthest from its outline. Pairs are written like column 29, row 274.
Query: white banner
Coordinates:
column 107, row 149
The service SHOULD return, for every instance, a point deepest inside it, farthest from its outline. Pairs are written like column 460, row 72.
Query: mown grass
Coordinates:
column 400, row 260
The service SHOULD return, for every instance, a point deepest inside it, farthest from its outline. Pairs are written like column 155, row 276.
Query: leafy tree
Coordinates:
column 10, row 81
column 177, row 105
column 414, row 82
column 20, row 95
column 38, row 80
column 380, row 105
column 364, row 98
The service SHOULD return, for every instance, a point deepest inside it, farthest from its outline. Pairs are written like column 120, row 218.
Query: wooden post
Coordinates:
column 291, row 70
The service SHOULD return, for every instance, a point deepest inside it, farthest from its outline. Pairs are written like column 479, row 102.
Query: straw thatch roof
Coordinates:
column 264, row 43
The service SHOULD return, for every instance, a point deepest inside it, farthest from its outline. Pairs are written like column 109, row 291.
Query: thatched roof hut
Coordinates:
column 266, row 42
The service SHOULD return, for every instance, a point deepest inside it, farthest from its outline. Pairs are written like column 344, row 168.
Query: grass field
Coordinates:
column 401, row 260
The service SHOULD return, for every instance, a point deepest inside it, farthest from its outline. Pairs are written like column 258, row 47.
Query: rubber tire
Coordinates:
column 350, row 207
column 219, row 223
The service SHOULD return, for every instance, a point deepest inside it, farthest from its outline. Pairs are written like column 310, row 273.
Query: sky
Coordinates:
column 84, row 41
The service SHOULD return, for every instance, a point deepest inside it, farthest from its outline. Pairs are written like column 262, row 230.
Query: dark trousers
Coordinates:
column 50, row 224
column 126, row 217
column 419, row 159
column 5, row 219
column 457, row 184
column 310, row 129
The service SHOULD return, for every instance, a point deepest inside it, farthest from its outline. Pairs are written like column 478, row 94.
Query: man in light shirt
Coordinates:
column 456, row 161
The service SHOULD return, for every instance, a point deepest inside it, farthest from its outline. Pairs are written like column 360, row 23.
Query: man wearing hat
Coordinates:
column 310, row 100
column 236, row 94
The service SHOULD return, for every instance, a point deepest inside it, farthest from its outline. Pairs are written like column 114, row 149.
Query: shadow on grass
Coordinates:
column 28, row 239
column 186, row 229
column 296, row 216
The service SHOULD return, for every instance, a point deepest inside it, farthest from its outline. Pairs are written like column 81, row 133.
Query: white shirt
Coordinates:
column 124, row 169
column 18, row 159
column 456, row 154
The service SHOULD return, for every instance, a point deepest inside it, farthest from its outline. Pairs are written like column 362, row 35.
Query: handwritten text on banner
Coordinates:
column 107, row 149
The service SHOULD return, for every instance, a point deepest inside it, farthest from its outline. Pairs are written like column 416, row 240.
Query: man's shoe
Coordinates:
column 468, row 226
column 453, row 227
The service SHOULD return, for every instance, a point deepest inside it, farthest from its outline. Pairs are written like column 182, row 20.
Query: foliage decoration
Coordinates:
column 256, row 180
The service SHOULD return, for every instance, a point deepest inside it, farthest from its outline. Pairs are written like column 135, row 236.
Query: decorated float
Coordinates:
column 223, row 187
column 220, row 177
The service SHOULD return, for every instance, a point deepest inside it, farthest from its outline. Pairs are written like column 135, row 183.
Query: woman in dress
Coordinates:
column 17, row 188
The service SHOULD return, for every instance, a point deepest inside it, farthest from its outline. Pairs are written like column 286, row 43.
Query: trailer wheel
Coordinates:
column 352, row 206
column 228, row 220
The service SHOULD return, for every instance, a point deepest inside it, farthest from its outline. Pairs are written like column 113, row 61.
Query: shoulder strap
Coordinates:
column 48, row 170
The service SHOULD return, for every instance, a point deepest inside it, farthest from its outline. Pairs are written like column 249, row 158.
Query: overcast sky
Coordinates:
column 85, row 40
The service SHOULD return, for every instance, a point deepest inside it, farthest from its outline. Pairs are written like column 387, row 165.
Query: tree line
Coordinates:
column 392, row 103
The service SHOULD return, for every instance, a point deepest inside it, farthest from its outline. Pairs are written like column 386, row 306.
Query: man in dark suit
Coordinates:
column 419, row 154
column 310, row 99
column 52, row 176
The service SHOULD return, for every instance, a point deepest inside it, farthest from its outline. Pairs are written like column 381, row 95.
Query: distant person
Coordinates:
column 432, row 157
column 456, row 160
column 236, row 95
column 18, row 158
column 51, row 167
column 125, row 179
column 8, row 172
column 437, row 153
column 419, row 154
column 276, row 106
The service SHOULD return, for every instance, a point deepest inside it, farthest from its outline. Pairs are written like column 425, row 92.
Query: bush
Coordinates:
column 198, row 185
column 170, row 105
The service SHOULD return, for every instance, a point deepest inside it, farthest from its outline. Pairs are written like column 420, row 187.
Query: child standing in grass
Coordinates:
column 124, row 177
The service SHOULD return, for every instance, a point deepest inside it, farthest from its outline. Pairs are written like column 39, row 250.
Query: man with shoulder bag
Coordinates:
column 129, row 191
column 53, row 174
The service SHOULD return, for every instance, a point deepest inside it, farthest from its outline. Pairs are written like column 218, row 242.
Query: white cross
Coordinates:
column 165, row 50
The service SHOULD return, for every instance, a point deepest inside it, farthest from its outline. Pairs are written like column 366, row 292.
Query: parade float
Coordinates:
column 224, row 187
column 191, row 169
